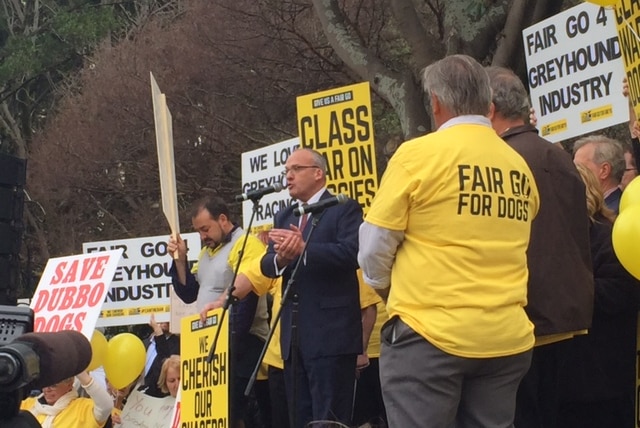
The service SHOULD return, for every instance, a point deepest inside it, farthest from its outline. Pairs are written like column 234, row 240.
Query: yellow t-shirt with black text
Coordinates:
column 465, row 201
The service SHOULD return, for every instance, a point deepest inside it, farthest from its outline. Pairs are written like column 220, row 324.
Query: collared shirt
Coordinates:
column 151, row 354
column 473, row 119
column 312, row 200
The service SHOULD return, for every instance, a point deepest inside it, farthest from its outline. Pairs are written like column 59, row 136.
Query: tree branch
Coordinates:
column 473, row 26
column 398, row 89
column 512, row 35
column 416, row 36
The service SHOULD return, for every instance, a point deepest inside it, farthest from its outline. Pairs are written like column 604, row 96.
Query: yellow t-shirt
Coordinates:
column 262, row 285
column 373, row 350
column 465, row 201
column 369, row 297
column 78, row 414
column 254, row 249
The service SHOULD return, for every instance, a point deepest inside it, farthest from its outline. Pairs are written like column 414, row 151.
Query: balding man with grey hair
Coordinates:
column 446, row 237
column 604, row 156
column 560, row 288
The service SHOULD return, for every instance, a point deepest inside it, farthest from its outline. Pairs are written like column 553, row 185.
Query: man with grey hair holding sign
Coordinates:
column 446, row 236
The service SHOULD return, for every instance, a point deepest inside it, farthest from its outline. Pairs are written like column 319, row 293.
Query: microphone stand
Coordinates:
column 294, row 328
column 229, row 301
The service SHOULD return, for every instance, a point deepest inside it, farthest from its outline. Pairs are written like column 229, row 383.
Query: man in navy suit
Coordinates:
column 320, row 352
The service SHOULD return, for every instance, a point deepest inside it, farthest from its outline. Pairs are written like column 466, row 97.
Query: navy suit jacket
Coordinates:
column 613, row 200
column 329, row 321
column 601, row 365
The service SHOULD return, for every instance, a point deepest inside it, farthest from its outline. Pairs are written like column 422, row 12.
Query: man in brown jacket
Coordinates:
column 560, row 289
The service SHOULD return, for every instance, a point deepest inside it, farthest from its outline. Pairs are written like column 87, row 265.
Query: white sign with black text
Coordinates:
column 141, row 285
column 575, row 72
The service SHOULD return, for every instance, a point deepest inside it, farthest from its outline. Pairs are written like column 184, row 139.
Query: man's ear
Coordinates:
column 319, row 173
column 492, row 111
column 605, row 171
column 435, row 104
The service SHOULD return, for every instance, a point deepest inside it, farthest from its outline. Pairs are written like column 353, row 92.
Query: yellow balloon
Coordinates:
column 98, row 350
column 603, row 2
column 626, row 239
column 631, row 194
column 124, row 360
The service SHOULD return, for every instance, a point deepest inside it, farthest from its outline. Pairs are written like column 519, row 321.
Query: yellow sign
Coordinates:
column 204, row 386
column 108, row 313
column 554, row 127
column 339, row 124
column 628, row 25
column 596, row 113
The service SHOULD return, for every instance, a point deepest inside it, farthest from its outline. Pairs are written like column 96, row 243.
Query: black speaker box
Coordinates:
column 10, row 238
column 9, row 272
column 13, row 170
column 11, row 203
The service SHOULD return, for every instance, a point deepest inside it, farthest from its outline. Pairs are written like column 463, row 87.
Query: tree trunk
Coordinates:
column 399, row 89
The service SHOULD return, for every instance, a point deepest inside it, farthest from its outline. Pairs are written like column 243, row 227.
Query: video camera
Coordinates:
column 32, row 361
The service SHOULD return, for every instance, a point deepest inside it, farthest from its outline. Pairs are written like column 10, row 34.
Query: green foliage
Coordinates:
column 84, row 28
column 476, row 9
column 60, row 36
column 387, row 122
column 19, row 58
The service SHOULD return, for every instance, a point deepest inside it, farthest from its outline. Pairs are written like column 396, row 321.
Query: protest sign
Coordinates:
column 628, row 24
column 263, row 167
column 71, row 291
column 575, row 72
column 204, row 386
column 144, row 411
column 166, row 163
column 175, row 414
column 141, row 283
column 339, row 124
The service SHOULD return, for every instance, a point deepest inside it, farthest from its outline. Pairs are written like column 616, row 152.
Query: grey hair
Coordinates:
column 509, row 94
column 318, row 160
column 460, row 83
column 606, row 150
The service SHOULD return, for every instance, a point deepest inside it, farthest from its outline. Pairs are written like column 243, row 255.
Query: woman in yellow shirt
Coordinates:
column 59, row 405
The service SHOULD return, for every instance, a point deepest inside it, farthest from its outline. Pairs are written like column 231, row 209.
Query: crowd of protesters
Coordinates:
column 499, row 303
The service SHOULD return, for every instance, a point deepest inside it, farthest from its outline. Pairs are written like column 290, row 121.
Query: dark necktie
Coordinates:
column 303, row 220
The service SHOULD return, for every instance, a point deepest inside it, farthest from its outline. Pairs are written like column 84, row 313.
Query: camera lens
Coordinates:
column 9, row 369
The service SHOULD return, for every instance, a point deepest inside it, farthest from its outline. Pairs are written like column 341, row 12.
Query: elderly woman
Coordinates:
column 60, row 407
column 169, row 380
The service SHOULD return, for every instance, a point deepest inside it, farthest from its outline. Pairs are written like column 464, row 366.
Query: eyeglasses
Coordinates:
column 629, row 169
column 297, row 168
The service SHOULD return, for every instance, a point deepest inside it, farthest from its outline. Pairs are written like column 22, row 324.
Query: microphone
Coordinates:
column 43, row 359
column 321, row 205
column 258, row 193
